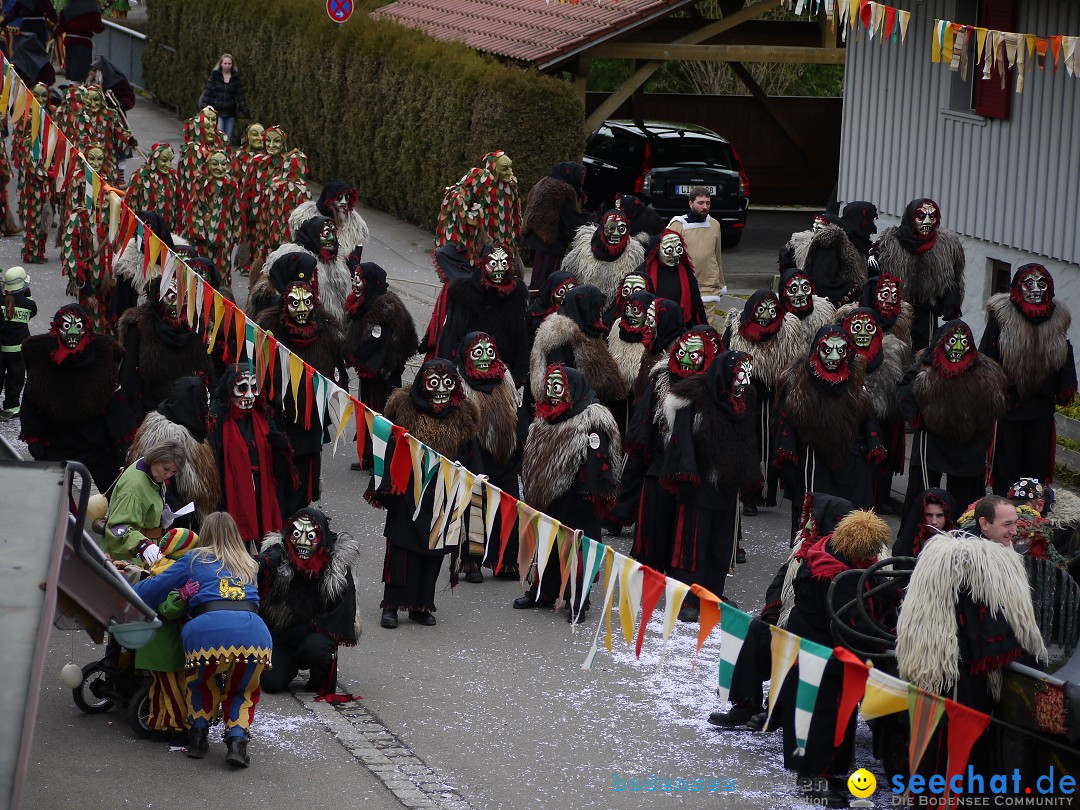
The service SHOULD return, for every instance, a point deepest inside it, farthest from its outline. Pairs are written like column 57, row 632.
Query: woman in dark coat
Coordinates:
column 225, row 93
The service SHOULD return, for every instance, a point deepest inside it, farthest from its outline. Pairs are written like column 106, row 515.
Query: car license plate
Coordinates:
column 684, row 191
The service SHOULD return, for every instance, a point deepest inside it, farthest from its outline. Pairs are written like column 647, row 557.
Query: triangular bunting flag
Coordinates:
column 379, row 428
column 812, row 660
column 785, row 651
column 884, row 695
column 605, row 608
column 965, row 727
column 854, row 686
column 924, row 714
column 631, row 580
column 651, row 590
column 674, row 594
column 708, row 615
column 734, row 626
column 546, row 529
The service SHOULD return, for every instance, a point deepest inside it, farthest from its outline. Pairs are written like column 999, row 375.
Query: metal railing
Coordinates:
column 124, row 48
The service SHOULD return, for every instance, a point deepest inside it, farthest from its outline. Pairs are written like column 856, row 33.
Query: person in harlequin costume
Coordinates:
column 668, row 267
column 86, row 253
column 774, row 338
column 930, row 261
column 20, row 136
column 952, row 396
column 570, row 471
column 834, row 265
column 337, row 202
column 302, row 326
column 183, row 418
column 552, row 216
column 252, row 454
column 574, row 336
column 35, row 187
column 548, row 300
column 1027, row 332
column 626, row 343
column 225, row 641
column 633, row 282
column 155, row 186
column 710, row 458
column 492, row 298
column 930, row 513
column 282, row 194
column 647, row 436
column 159, row 348
column 828, row 439
column 252, row 170
column 380, row 336
column 487, row 381
column 213, row 218
column 93, row 427
column 602, row 255
column 798, row 297
column 435, row 411
column 86, row 119
column 645, row 222
column 317, row 237
column 201, row 139
column 483, row 206
column 884, row 293
column 309, row 600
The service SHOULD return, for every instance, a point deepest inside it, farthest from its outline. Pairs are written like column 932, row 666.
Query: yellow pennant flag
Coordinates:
column 631, row 581
column 219, row 305
column 346, row 415
column 1030, row 39
column 785, row 651
column 5, row 93
column 980, row 44
column 21, row 94
column 674, row 594
column 154, row 245
column 884, row 695
column 935, row 41
column 296, row 373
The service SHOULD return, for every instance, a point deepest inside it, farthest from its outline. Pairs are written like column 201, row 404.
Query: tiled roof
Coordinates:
column 533, row 31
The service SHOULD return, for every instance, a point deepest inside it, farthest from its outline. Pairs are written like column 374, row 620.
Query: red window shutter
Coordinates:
column 991, row 99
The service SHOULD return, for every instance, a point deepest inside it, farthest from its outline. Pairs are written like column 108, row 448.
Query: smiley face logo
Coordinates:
column 862, row 783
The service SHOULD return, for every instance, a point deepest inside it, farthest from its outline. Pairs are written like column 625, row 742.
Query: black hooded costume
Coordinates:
column 915, row 531
column 548, row 300
column 329, row 278
column 552, row 216
column 858, row 219
column 645, row 222
column 835, row 266
column 676, row 283
column 308, row 600
column 1030, row 340
column 71, row 406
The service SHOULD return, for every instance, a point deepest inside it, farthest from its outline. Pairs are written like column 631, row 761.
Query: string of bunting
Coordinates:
column 951, row 45
column 401, row 458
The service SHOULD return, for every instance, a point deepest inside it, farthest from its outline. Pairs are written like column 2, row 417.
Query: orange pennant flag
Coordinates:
column 709, row 614
column 1055, row 47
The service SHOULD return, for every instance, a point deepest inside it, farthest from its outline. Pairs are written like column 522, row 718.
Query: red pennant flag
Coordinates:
column 401, row 462
column 855, row 675
column 1042, row 45
column 890, row 21
column 965, row 727
column 507, row 519
column 865, row 13
column 271, row 364
column 651, row 591
column 309, row 395
column 360, row 416
column 207, row 303
column 1055, row 46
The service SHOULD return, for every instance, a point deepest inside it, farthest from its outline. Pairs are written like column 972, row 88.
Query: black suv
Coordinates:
column 660, row 162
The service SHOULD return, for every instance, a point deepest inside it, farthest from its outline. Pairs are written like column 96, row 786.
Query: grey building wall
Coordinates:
column 1010, row 188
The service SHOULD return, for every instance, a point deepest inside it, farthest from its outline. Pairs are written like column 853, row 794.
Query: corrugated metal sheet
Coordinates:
column 1015, row 183
column 530, row 30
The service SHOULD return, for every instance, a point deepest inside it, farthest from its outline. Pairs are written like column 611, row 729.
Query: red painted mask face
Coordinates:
column 441, row 389
column 926, row 219
column 888, row 296
column 304, row 544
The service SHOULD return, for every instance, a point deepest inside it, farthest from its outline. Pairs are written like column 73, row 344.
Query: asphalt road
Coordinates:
column 489, row 709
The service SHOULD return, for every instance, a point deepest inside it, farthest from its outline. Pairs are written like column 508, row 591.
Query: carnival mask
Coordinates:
column 832, row 352
column 956, row 346
column 798, row 292
column 439, row 387
column 555, row 388
column 650, row 317
column 744, row 373
column 71, row 330
column 274, row 141
column 616, row 229
column 862, row 329
column 671, row 249
column 218, row 165
column 95, row 158
column 93, row 100
column 504, row 169
column 1033, row 288
column 209, row 115
column 559, row 293
column 41, row 93
column 328, row 241
column 631, row 284
column 245, row 389
column 358, row 283
column 820, row 223
column 168, row 300
column 305, row 537
column 482, row 354
column 343, row 203
column 163, row 161
column 926, row 219
column 690, row 353
column 496, row 267
column 635, row 314
column 300, row 303
column 888, row 296
column 256, row 137
column 765, row 312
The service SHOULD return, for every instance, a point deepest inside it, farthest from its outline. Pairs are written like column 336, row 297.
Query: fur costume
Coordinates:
column 799, row 245
column 322, row 354
column 927, row 277
column 333, row 279
column 604, row 274
column 836, row 268
column 543, row 207
column 554, row 452
column 591, row 357
column 951, row 568
column 1030, row 352
column 1066, row 512
column 389, row 315
column 445, row 435
column 963, row 407
column 498, row 417
column 882, row 379
column 128, row 266
column 157, row 354
column 771, row 356
column 900, row 328
column 627, row 355
column 198, row 480
column 823, row 312
column 352, row 232
column 50, row 386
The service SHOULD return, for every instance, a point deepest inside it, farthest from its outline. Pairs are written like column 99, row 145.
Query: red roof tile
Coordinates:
column 533, row 31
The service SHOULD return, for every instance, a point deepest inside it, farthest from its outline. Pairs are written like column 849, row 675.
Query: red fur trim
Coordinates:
column 548, row 412
column 831, row 377
column 755, row 332
column 946, row 368
column 982, row 666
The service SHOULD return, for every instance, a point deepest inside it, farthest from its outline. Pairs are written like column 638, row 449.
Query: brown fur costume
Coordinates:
column 881, row 381
column 726, row 450
column 324, row 353
column 198, row 480
column 829, row 425
column 771, row 356
column 444, row 435
column 542, row 208
column 387, row 311
column 852, row 264
column 498, row 417
column 591, row 358
column 926, row 276
column 158, row 365
column 962, row 407
column 555, row 452
column 1030, row 352
column 51, row 387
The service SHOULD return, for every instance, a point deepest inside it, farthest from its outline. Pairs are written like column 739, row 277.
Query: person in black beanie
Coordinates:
column 552, row 216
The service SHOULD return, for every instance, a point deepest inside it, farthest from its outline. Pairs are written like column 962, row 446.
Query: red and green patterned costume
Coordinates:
column 477, row 204
column 253, row 169
column 213, row 221
column 280, row 198
column 85, row 127
column 153, row 190
column 86, row 252
column 201, row 139
column 35, row 197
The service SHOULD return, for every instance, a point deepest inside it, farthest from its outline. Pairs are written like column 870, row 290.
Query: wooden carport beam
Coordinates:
column 762, row 98
column 639, row 76
column 720, row 53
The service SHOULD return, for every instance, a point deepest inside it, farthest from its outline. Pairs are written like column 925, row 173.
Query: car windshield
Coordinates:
column 672, row 151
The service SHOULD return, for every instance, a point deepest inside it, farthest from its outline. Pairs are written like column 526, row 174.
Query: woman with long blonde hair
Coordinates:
column 225, row 93
column 225, row 635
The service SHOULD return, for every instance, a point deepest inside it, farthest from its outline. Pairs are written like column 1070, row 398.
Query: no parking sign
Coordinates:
column 339, row 10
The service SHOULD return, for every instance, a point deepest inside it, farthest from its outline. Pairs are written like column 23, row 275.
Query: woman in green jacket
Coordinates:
column 137, row 514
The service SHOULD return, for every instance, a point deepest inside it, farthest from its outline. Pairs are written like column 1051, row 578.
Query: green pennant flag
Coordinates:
column 381, row 428
column 812, row 660
column 734, row 625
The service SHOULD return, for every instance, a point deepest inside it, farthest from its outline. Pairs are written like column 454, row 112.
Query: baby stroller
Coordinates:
column 112, row 681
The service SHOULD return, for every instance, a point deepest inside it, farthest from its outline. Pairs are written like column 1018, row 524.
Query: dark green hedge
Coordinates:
column 385, row 107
